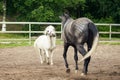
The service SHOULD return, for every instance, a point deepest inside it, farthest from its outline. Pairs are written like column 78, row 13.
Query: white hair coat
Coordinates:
column 45, row 45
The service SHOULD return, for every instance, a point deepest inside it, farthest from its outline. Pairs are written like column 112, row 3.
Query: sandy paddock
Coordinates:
column 22, row 63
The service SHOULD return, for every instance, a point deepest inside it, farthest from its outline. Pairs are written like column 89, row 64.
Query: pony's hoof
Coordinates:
column 68, row 70
column 51, row 64
column 83, row 74
column 44, row 61
column 76, row 71
column 41, row 62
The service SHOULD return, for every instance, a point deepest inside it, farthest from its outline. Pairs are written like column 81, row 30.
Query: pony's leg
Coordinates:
column 51, row 56
column 47, row 56
column 44, row 56
column 40, row 52
column 64, row 56
column 76, row 59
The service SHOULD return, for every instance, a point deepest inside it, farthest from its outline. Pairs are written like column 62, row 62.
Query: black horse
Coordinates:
column 76, row 33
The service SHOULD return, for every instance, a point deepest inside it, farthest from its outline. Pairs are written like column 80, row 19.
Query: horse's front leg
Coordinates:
column 65, row 55
column 76, row 59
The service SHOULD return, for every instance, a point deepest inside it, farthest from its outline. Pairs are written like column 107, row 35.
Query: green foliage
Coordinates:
column 104, row 20
column 100, row 11
column 37, row 16
column 1, row 7
column 104, row 9
column 49, row 10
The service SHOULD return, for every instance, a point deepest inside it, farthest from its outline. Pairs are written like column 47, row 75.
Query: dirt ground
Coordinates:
column 22, row 63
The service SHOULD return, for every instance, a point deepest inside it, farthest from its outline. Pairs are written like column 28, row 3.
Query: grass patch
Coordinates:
column 23, row 43
column 110, row 43
column 13, row 36
column 58, row 42
column 10, row 45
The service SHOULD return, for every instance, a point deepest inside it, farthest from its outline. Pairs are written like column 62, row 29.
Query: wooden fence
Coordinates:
column 110, row 32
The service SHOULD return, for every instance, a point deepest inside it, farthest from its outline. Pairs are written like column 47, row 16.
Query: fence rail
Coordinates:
column 110, row 32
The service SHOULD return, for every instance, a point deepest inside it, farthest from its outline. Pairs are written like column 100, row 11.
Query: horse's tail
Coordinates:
column 94, row 41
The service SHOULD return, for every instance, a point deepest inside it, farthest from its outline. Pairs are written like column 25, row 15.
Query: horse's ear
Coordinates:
column 66, row 15
column 60, row 17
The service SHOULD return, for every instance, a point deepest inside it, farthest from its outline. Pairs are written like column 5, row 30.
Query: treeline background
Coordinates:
column 100, row 11
column 107, row 11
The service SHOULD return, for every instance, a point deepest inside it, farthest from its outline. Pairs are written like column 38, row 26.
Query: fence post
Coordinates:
column 30, row 39
column 110, row 32
column 61, row 31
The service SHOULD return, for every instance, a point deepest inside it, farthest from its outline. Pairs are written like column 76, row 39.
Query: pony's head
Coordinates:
column 50, row 30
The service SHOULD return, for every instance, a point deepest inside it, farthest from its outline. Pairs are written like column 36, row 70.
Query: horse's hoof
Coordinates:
column 48, row 63
column 68, row 70
column 83, row 74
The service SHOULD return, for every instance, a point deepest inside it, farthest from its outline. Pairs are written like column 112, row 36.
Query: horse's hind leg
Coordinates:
column 64, row 56
column 76, row 59
column 85, row 68
column 86, row 61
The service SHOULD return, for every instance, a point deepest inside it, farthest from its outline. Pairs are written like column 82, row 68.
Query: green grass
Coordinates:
column 58, row 42
column 10, row 45
column 110, row 43
column 25, row 43
column 9, row 36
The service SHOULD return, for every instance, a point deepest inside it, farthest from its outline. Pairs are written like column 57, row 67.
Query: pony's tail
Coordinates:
column 36, row 47
column 35, row 44
column 95, row 36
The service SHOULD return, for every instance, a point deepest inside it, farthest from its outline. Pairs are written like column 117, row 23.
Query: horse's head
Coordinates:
column 64, row 17
column 50, row 30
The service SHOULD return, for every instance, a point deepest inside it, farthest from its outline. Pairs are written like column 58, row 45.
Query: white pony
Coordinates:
column 45, row 45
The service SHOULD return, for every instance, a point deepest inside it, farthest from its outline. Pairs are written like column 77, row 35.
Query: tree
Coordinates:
column 4, row 15
column 49, row 10
column 103, row 9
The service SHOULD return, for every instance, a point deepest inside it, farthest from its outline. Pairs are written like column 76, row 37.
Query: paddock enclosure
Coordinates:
column 22, row 63
column 15, row 28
